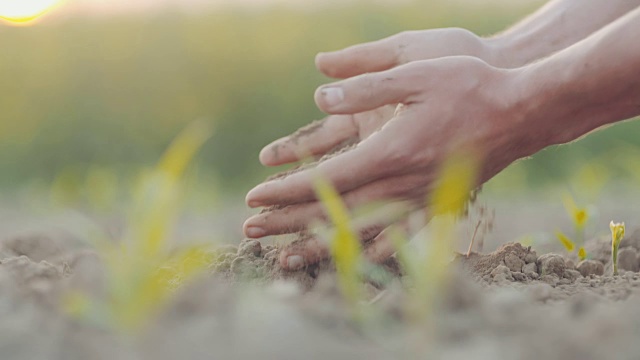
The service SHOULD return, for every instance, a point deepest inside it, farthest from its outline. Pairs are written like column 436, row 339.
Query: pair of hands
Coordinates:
column 451, row 98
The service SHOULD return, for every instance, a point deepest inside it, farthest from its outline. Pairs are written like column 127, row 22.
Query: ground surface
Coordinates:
column 510, row 304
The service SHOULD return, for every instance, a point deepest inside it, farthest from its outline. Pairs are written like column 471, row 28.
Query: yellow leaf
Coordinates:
column 565, row 241
column 184, row 148
column 345, row 246
column 582, row 253
column 457, row 178
column 617, row 232
column 578, row 215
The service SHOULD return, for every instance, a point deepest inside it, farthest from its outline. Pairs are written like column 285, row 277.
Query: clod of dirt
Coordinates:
column 25, row 270
column 501, row 273
column 513, row 262
column 569, row 264
column 590, row 267
column 531, row 270
column 256, row 263
column 250, row 247
column 628, row 259
column 551, row 264
column 37, row 247
column 483, row 265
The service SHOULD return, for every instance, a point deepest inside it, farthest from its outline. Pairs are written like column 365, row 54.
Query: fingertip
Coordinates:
column 252, row 198
column 325, row 63
column 329, row 98
column 268, row 154
column 291, row 261
column 251, row 230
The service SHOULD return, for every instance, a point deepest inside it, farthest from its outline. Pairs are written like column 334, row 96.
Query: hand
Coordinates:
column 320, row 137
column 406, row 47
column 450, row 103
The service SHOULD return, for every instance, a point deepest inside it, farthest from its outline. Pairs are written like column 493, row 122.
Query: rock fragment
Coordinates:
column 590, row 267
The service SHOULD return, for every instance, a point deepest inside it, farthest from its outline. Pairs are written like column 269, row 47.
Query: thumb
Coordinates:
column 370, row 91
column 359, row 59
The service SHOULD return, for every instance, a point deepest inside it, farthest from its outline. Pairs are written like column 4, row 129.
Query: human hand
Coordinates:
column 409, row 46
column 448, row 104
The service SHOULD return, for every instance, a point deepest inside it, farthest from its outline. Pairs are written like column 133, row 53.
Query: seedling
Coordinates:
column 617, row 233
column 141, row 271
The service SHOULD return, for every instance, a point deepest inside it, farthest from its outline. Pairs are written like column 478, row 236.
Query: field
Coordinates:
column 127, row 143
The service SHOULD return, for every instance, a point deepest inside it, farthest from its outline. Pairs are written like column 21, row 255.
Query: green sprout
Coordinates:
column 142, row 272
column 617, row 233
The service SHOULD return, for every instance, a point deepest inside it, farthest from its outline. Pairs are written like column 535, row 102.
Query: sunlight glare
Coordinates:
column 23, row 11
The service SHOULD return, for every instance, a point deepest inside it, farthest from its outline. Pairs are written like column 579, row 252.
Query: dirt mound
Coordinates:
column 511, row 303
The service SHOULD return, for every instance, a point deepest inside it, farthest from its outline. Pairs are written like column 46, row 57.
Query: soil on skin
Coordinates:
column 509, row 304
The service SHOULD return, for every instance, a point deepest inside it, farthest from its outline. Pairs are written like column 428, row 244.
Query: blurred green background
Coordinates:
column 84, row 93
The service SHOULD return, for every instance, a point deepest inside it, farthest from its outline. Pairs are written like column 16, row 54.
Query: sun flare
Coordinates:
column 23, row 11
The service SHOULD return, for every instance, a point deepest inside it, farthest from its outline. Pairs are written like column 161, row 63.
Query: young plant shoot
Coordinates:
column 141, row 271
column 617, row 233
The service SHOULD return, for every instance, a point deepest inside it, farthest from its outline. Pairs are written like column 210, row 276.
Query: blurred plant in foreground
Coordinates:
column 141, row 271
column 617, row 234
column 579, row 216
column 429, row 269
column 345, row 246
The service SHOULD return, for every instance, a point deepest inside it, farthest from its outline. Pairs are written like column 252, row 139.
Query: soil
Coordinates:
column 508, row 304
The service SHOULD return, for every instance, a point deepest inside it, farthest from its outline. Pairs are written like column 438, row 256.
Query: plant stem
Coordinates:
column 614, row 258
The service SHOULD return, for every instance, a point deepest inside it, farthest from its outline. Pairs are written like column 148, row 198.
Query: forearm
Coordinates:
column 557, row 25
column 593, row 83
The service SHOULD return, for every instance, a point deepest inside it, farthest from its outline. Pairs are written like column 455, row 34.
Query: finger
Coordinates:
column 359, row 59
column 381, row 247
column 298, row 217
column 386, row 244
column 314, row 139
column 367, row 162
column 372, row 90
column 303, row 252
column 311, row 249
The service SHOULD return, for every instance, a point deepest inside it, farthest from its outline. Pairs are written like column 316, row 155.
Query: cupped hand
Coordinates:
column 448, row 104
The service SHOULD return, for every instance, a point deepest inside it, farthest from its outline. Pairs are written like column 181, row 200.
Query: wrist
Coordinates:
column 555, row 103
column 503, row 51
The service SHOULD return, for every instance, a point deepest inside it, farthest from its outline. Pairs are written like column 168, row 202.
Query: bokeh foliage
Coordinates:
column 77, row 93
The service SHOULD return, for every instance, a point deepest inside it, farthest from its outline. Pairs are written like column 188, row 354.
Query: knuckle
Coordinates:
column 401, row 44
